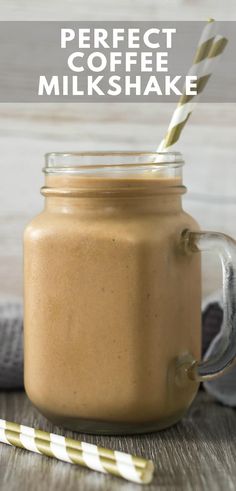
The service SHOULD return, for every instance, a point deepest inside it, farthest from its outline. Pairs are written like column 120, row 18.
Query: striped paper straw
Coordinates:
column 208, row 52
column 99, row 459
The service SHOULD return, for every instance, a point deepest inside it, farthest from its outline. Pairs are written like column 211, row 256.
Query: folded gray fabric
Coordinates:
column 11, row 345
column 224, row 387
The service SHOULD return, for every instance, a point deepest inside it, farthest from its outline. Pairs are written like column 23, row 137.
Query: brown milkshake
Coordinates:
column 111, row 301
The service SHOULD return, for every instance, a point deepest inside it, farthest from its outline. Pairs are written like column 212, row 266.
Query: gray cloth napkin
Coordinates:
column 11, row 345
column 11, row 348
column 224, row 387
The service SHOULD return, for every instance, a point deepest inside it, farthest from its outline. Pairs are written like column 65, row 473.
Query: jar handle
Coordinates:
column 225, row 356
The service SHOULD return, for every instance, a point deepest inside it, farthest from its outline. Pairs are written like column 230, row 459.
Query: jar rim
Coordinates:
column 117, row 162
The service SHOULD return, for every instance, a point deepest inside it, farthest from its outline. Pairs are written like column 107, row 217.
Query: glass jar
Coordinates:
column 113, row 294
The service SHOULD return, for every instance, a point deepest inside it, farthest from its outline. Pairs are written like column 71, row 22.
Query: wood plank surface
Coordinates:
column 197, row 454
column 119, row 10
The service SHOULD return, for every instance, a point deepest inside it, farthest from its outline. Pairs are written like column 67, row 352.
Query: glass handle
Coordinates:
column 225, row 352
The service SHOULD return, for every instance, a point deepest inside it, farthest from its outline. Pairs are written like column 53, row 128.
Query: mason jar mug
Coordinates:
column 113, row 294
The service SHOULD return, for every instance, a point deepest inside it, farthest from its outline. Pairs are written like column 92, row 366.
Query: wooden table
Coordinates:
column 197, row 454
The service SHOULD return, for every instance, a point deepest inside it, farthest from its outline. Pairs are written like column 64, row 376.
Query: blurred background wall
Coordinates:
column 27, row 131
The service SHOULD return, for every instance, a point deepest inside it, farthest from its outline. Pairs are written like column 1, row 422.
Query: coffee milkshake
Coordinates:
column 111, row 302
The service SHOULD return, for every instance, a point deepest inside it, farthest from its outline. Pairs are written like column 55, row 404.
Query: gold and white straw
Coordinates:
column 99, row 459
column 208, row 52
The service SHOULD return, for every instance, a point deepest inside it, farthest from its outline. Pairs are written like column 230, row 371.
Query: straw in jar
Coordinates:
column 209, row 50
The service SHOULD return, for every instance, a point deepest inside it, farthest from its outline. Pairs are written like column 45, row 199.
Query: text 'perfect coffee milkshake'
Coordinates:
column 112, row 303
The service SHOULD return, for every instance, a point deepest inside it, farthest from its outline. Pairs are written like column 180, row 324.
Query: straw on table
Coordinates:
column 100, row 459
column 208, row 53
